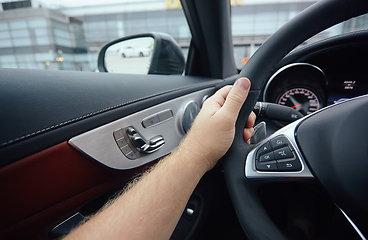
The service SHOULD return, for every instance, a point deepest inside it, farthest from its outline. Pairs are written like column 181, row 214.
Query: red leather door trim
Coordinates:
column 38, row 189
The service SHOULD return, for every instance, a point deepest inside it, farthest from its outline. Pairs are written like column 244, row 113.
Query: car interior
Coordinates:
column 70, row 141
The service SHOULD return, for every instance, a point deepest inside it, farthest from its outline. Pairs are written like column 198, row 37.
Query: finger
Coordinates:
column 248, row 133
column 251, row 120
column 224, row 91
column 220, row 96
column 236, row 98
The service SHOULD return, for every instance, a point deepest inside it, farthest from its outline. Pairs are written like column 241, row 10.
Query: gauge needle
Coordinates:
column 296, row 105
column 293, row 100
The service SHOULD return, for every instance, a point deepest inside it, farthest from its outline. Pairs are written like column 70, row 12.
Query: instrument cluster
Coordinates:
column 306, row 87
column 301, row 86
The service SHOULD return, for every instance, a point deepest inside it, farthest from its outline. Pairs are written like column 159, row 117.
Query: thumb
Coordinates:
column 236, row 97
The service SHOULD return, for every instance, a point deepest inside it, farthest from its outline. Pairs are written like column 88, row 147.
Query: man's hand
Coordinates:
column 212, row 132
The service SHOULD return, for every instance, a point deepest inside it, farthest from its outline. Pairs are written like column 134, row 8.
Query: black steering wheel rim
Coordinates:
column 325, row 13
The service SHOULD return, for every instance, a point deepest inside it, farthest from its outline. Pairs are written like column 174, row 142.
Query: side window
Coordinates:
column 60, row 35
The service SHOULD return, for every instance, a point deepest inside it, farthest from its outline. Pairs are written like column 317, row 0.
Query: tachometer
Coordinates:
column 301, row 99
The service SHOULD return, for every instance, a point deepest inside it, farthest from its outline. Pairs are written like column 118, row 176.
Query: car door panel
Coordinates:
column 44, row 108
column 45, row 186
column 43, row 179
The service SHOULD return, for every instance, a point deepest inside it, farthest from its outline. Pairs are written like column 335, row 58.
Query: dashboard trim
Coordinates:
column 283, row 69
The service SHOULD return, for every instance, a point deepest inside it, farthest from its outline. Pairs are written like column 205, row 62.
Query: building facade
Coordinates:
column 41, row 38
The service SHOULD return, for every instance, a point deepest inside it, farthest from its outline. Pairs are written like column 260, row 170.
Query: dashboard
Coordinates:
column 320, row 75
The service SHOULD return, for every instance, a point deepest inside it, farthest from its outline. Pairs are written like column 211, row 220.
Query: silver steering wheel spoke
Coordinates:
column 277, row 157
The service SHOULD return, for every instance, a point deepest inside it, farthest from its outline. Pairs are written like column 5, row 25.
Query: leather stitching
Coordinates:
column 83, row 117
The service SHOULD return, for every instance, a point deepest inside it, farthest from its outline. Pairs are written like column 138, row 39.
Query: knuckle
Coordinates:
column 237, row 98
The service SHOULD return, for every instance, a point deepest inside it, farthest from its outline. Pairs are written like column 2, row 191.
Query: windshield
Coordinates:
column 68, row 34
column 253, row 21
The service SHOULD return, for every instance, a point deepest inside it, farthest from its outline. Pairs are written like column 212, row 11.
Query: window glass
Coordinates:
column 19, row 42
column 7, row 58
column 4, row 34
column 18, row 24
column 254, row 21
column 31, row 65
column 25, row 57
column 19, row 33
column 4, row 26
column 44, row 57
column 23, row 65
column 5, row 43
column 98, row 25
column 9, row 65
column 239, row 53
column 61, row 34
column 37, row 23
column 41, row 32
column 184, row 32
column 111, row 24
column 67, row 35
column 43, row 41
column 63, row 42
column 59, row 25
column 242, row 24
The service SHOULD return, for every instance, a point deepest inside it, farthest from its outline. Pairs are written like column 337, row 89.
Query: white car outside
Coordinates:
column 134, row 52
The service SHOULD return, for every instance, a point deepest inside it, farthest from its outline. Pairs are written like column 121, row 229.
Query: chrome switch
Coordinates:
column 143, row 145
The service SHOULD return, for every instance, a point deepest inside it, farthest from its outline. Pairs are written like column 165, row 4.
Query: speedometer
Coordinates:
column 301, row 99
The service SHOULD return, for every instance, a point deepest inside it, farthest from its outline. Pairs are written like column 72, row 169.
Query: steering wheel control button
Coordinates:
column 289, row 162
column 165, row 115
column 150, row 121
column 279, row 142
column 267, row 157
column 118, row 134
column 267, row 166
column 293, row 165
column 283, row 153
column 265, row 148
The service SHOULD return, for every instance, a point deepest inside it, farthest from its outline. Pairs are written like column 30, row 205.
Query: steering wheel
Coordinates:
column 330, row 145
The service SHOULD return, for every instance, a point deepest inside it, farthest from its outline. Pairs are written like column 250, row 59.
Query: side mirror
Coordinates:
column 150, row 53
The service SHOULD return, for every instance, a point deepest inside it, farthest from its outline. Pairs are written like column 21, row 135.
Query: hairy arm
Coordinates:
column 152, row 208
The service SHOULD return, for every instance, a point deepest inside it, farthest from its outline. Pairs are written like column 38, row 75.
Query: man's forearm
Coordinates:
column 152, row 208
